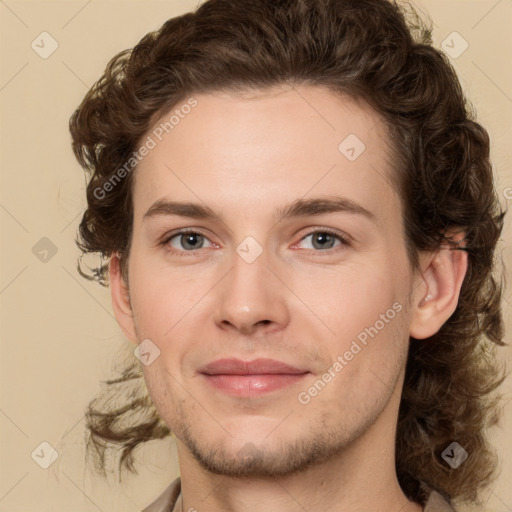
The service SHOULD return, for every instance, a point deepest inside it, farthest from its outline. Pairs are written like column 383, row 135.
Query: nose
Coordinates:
column 251, row 300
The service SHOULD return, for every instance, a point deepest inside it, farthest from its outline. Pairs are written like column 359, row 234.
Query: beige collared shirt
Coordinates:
column 167, row 501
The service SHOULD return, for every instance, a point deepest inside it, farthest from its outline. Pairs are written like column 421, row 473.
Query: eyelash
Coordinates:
column 344, row 241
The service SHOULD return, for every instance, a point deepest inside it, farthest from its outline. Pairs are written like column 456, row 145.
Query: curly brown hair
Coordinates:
column 373, row 50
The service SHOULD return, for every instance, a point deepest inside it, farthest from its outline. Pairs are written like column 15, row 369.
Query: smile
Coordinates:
column 251, row 378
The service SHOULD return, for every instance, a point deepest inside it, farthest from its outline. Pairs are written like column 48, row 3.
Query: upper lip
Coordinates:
column 254, row 367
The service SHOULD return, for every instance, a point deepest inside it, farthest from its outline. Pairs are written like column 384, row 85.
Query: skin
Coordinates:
column 245, row 156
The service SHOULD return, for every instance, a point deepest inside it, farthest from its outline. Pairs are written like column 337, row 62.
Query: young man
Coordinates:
column 298, row 219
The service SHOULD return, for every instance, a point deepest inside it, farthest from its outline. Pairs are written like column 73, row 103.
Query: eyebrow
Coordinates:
column 298, row 208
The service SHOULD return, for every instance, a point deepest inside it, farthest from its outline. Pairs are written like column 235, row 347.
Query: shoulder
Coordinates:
column 166, row 501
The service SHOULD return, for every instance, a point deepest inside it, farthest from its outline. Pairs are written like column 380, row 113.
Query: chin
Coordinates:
column 263, row 459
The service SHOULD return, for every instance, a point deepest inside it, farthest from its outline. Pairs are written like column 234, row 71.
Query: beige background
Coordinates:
column 59, row 337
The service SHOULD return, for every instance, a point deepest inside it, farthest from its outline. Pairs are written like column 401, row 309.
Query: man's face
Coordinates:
column 307, row 290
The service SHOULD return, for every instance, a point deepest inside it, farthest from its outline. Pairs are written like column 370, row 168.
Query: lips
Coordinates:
column 255, row 367
column 251, row 378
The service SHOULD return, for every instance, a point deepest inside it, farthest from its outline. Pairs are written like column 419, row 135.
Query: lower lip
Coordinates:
column 253, row 385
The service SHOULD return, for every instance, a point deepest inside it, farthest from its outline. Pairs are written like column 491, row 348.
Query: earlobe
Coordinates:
column 121, row 299
column 436, row 300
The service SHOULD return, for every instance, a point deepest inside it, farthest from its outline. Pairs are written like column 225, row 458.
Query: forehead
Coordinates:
column 274, row 145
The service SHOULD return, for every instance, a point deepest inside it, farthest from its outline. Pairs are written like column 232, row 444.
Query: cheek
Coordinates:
column 349, row 299
column 161, row 390
column 162, row 296
column 334, row 302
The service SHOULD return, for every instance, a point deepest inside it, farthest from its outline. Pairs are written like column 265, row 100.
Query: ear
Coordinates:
column 121, row 299
column 437, row 291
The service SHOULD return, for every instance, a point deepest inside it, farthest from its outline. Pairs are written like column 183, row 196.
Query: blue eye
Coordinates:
column 324, row 240
column 187, row 241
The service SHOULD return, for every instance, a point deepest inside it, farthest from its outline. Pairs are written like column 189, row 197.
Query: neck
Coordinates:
column 350, row 481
